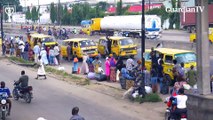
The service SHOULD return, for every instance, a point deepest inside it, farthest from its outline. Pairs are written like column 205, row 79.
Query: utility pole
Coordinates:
column 143, row 46
column 2, row 33
column 149, row 5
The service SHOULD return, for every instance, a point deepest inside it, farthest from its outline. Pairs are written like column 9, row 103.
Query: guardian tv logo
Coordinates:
column 185, row 10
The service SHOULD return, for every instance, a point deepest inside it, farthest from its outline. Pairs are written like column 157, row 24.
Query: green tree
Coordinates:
column 13, row 2
column 53, row 15
column 103, row 5
column 119, row 9
column 28, row 14
column 35, row 14
column 174, row 17
column 160, row 12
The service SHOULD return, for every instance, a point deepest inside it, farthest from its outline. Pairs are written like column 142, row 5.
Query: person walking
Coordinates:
column 41, row 71
column 84, row 66
column 75, row 115
column 43, row 55
column 107, row 68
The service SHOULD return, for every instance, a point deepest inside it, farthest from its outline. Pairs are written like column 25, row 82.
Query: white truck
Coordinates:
column 129, row 25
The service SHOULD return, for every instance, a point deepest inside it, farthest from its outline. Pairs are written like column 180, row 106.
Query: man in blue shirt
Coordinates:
column 75, row 115
column 125, row 73
column 6, row 90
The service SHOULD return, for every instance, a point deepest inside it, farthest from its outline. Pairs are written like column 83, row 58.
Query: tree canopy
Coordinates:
column 12, row 2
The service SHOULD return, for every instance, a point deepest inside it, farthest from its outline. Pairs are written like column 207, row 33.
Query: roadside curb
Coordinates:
column 52, row 75
column 23, row 64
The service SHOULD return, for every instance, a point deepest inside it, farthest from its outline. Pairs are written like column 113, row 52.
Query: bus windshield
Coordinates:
column 87, row 43
column 126, row 41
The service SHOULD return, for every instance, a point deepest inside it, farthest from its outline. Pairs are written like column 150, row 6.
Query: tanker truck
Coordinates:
column 129, row 26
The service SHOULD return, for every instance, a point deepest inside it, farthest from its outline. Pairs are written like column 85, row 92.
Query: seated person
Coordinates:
column 4, row 89
column 125, row 73
column 181, row 99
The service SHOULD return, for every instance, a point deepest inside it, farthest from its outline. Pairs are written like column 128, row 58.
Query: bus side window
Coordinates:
column 168, row 59
column 75, row 44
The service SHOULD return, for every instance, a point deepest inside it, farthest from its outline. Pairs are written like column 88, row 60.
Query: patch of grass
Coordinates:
column 75, row 77
column 153, row 97
column 65, row 74
column 20, row 60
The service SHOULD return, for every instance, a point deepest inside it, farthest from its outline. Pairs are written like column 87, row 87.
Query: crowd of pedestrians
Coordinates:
column 58, row 33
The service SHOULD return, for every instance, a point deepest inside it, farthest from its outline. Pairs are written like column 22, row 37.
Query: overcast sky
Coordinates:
column 35, row 2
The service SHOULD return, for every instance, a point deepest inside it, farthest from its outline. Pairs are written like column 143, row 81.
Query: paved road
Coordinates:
column 53, row 99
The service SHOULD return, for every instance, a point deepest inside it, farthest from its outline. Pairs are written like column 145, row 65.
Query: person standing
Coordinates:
column 21, row 47
column 154, row 77
column 75, row 115
column 119, row 64
column 107, row 68
column 26, row 49
column 75, row 64
column 3, row 48
column 153, row 57
column 160, row 75
column 112, row 68
column 90, row 65
column 12, row 48
column 175, row 71
column 36, row 51
column 181, row 73
column 51, row 55
column 41, row 71
column 84, row 66
column 69, row 52
column 57, row 53
column 191, row 76
column 109, row 42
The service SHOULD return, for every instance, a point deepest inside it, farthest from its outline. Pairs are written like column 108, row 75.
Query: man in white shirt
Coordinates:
column 181, row 103
column 57, row 53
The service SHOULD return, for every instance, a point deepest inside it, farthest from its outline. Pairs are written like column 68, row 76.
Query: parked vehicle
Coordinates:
column 193, row 36
column 36, row 38
column 169, row 54
column 4, row 108
column 23, row 93
column 188, row 19
column 129, row 25
column 79, row 46
column 120, row 46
